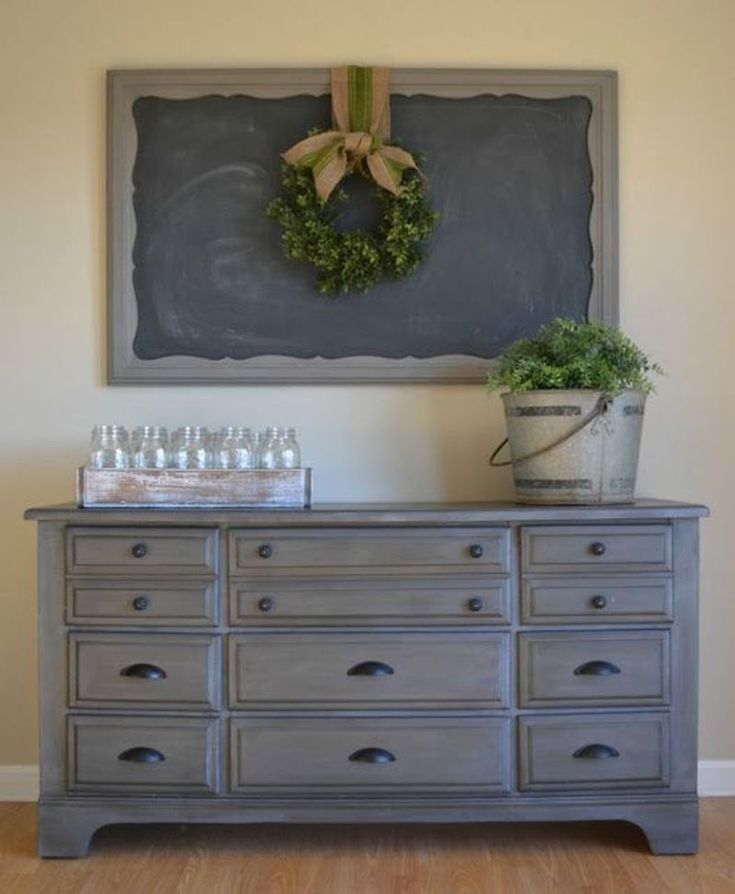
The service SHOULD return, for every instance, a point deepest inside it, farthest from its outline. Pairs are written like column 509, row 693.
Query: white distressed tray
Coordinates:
column 205, row 487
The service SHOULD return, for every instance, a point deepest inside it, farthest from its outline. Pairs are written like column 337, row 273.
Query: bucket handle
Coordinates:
column 600, row 408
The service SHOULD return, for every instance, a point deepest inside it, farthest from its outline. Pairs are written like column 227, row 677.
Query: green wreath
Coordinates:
column 358, row 259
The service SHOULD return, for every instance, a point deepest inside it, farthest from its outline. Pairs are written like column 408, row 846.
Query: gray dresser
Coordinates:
column 368, row 663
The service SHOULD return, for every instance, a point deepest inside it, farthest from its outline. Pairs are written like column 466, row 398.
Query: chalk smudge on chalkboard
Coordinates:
column 510, row 177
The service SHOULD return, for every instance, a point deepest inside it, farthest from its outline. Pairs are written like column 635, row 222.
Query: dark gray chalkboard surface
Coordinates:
column 516, row 178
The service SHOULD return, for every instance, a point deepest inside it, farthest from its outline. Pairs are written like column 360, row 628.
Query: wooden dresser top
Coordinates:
column 368, row 514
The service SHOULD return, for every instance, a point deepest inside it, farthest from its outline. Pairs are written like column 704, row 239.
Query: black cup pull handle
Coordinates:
column 596, row 752
column 596, row 669
column 141, row 755
column 370, row 669
column 372, row 756
column 144, row 671
column 139, row 550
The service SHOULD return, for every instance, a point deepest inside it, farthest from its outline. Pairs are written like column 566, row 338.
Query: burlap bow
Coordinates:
column 357, row 142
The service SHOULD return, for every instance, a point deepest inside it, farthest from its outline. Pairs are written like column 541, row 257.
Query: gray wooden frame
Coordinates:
column 124, row 87
column 124, row 368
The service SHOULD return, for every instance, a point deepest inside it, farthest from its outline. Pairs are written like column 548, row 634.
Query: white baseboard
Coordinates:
column 20, row 782
column 716, row 778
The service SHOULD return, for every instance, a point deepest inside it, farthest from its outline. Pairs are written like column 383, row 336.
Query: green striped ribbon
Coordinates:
column 360, row 97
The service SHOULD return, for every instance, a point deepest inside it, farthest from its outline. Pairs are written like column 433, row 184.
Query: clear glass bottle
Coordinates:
column 234, row 448
column 290, row 450
column 191, row 448
column 109, row 448
column 271, row 448
column 257, row 438
column 150, row 447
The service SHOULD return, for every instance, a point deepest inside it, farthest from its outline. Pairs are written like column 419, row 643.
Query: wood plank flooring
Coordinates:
column 576, row 858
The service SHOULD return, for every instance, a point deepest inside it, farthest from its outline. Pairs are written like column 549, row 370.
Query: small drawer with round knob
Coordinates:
column 326, row 552
column 574, row 599
column 147, row 551
column 582, row 549
column 141, row 603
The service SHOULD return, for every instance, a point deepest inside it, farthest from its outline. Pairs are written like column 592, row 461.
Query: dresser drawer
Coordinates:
column 587, row 669
column 584, row 548
column 476, row 600
column 478, row 549
column 583, row 751
column 377, row 753
column 147, row 551
column 143, row 754
column 597, row 600
column 129, row 670
column 145, row 603
column 369, row 669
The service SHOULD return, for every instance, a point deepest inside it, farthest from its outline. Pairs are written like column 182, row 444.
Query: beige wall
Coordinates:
column 677, row 130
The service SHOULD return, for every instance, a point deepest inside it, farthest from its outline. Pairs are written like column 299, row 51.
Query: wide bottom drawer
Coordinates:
column 143, row 754
column 368, row 754
column 593, row 751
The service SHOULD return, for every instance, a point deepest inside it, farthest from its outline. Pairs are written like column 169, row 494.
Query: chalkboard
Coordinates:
column 516, row 179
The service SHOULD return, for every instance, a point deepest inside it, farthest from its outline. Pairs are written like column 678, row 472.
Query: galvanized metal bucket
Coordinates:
column 573, row 446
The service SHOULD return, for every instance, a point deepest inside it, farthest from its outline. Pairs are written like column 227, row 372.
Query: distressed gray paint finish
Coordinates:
column 102, row 754
column 597, row 600
column 594, row 669
column 83, row 782
column 427, row 755
column 127, row 670
column 143, row 603
column 387, row 600
column 456, row 669
column 577, row 549
column 136, row 551
column 605, row 752
column 325, row 551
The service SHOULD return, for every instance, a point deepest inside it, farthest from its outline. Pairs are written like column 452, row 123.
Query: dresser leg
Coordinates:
column 61, row 834
column 670, row 829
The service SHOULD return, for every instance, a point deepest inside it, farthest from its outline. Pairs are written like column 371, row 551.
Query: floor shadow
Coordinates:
column 274, row 839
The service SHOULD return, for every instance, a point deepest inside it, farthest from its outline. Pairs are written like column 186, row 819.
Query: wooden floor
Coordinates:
column 604, row 858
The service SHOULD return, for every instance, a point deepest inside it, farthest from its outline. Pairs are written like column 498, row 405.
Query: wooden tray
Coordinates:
column 205, row 487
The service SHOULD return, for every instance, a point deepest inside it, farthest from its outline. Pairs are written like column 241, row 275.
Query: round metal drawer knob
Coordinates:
column 265, row 604
column 141, row 603
column 476, row 551
column 139, row 550
column 598, row 549
column 265, row 551
column 599, row 601
column 475, row 604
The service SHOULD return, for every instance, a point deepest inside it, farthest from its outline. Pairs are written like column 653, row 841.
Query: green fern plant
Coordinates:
column 569, row 354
